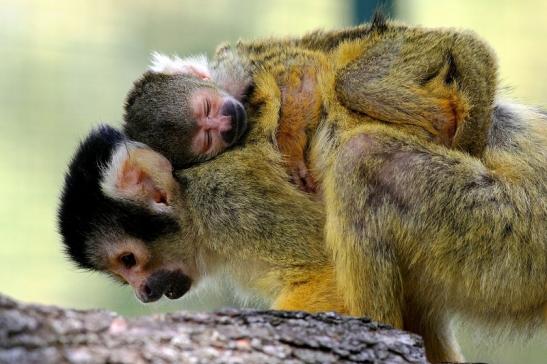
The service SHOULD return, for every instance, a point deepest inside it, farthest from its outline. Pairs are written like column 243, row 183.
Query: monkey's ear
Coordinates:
column 197, row 66
column 140, row 175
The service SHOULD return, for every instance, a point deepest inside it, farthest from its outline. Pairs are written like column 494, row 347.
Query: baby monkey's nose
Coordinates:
column 238, row 120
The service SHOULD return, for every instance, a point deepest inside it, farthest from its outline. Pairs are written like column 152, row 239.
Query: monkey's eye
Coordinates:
column 128, row 260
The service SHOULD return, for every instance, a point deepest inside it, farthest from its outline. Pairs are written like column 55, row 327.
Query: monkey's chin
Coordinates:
column 145, row 299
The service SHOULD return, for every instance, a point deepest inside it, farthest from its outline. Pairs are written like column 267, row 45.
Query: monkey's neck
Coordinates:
column 250, row 279
column 258, row 283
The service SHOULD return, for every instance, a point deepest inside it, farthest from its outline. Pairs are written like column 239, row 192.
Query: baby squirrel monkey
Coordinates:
column 437, row 84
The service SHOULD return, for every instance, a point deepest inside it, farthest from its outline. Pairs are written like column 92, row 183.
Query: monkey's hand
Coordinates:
column 300, row 109
column 301, row 177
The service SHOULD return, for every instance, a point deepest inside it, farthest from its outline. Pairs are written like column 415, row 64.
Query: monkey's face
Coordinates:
column 121, row 214
column 151, row 274
column 219, row 119
column 185, row 118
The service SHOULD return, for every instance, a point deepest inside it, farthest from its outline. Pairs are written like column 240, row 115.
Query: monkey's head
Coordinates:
column 183, row 115
column 118, row 215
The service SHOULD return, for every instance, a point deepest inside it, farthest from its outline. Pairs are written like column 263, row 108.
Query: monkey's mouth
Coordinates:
column 171, row 283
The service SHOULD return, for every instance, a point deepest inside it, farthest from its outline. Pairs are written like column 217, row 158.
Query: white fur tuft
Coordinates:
column 112, row 171
column 196, row 65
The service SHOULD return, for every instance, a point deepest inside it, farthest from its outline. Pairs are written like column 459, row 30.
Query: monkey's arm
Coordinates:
column 441, row 81
column 310, row 290
column 299, row 114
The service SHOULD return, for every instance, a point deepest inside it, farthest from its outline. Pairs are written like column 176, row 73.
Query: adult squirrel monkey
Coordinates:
column 414, row 231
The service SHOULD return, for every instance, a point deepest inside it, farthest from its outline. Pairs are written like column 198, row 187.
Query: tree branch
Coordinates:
column 47, row 334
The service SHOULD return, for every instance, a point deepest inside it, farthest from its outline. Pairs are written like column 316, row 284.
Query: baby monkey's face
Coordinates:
column 185, row 118
column 219, row 121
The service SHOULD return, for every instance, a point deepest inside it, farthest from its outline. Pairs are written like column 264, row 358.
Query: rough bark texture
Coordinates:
column 46, row 334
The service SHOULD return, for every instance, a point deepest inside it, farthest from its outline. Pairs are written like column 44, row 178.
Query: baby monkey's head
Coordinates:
column 185, row 117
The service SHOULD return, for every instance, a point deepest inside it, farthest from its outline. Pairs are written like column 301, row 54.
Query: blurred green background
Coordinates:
column 65, row 65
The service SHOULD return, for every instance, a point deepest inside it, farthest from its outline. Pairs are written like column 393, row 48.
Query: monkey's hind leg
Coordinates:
column 311, row 290
column 434, row 327
column 364, row 230
column 440, row 81
column 367, row 272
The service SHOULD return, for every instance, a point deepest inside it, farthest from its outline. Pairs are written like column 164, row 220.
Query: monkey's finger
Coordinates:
column 309, row 183
column 305, row 179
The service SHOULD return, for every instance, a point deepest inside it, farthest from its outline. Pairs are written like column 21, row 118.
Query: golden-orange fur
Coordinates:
column 311, row 290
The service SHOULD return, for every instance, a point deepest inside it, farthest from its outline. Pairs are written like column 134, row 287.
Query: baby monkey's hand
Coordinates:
column 301, row 176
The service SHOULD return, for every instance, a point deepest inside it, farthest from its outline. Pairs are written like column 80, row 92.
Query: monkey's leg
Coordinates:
column 470, row 236
column 443, row 82
column 362, row 244
column 434, row 327
column 312, row 290
column 362, row 228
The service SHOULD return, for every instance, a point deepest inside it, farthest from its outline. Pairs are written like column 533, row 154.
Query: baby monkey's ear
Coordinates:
column 197, row 66
column 141, row 175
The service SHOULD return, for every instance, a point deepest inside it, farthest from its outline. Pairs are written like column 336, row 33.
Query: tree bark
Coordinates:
column 47, row 334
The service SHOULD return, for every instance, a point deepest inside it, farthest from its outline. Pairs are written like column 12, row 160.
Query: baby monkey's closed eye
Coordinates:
column 185, row 118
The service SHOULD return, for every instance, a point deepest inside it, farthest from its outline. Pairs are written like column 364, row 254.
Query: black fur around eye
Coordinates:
column 128, row 260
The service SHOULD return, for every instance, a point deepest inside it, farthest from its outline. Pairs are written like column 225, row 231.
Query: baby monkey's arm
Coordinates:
column 299, row 114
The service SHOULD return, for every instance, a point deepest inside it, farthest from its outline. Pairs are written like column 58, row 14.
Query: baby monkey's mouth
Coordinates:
column 171, row 283
column 238, row 116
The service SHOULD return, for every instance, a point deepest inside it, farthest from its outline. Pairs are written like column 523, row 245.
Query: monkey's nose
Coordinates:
column 148, row 293
column 238, row 118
